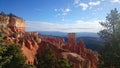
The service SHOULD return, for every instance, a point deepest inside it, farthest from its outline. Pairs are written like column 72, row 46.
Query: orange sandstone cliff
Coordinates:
column 76, row 53
column 32, row 44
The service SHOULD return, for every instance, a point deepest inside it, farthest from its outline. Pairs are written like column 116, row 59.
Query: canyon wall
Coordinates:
column 17, row 23
column 32, row 44
column 57, row 41
column 12, row 23
column 76, row 53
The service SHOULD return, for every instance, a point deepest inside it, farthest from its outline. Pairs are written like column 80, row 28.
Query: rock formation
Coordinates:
column 15, row 24
column 32, row 44
column 71, row 39
column 76, row 53
column 57, row 41
column 13, row 28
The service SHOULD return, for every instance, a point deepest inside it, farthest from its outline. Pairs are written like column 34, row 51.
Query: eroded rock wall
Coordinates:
column 33, row 44
column 76, row 53
column 15, row 24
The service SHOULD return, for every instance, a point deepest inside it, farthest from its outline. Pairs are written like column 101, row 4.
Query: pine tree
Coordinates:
column 11, row 56
column 17, row 60
column 48, row 59
column 110, row 55
column 4, row 59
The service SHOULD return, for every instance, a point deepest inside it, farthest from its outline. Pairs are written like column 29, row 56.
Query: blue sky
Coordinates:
column 61, row 15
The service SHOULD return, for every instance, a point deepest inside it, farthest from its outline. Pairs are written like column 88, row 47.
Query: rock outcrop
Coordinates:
column 29, row 49
column 57, row 41
column 14, row 23
column 76, row 53
column 14, row 29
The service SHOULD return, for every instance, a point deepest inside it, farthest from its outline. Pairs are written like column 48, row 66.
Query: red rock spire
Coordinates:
column 71, row 39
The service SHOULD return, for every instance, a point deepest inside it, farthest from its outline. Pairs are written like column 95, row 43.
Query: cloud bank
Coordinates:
column 78, row 26
column 115, row 1
column 84, row 6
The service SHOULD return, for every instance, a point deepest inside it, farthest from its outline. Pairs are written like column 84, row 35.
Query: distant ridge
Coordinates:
column 64, row 34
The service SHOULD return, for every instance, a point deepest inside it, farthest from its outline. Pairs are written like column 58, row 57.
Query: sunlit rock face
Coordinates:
column 16, row 24
column 57, row 41
column 76, row 53
column 13, row 23
column 71, row 39
column 29, row 48
column 14, row 29
column 32, row 44
column 90, row 56
column 29, row 42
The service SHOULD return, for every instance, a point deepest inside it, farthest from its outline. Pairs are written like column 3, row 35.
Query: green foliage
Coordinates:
column 1, row 36
column 28, row 66
column 18, row 60
column 48, row 59
column 111, row 26
column 4, row 59
column 11, row 57
column 110, row 55
column 64, row 63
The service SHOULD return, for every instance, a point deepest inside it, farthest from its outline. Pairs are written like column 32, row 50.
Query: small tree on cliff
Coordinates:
column 3, row 49
column 17, row 60
column 3, row 59
column 110, row 55
column 64, row 63
column 48, row 60
column 11, row 55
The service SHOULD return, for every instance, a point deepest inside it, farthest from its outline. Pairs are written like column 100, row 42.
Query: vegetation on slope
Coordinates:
column 11, row 55
column 48, row 59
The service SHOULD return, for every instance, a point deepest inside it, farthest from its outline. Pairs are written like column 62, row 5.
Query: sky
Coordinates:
column 61, row 15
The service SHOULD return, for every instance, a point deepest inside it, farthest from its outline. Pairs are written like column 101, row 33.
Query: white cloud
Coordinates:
column 78, row 26
column 94, row 3
column 67, row 10
column 62, row 12
column 84, row 6
column 76, row 1
column 115, row 1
